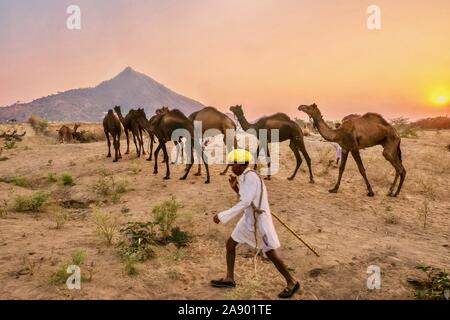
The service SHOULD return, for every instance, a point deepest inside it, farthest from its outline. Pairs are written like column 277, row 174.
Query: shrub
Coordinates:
column 106, row 225
column 59, row 218
column 51, row 177
column 130, row 265
column 21, row 182
column 67, row 180
column 9, row 144
column 4, row 209
column 33, row 203
column 437, row 285
column 137, row 245
column 179, row 238
column 60, row 276
column 38, row 124
column 165, row 214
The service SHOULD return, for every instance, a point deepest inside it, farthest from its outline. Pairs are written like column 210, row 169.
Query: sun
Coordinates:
column 441, row 100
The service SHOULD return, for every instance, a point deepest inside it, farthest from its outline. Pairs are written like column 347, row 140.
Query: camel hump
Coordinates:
column 281, row 116
column 376, row 116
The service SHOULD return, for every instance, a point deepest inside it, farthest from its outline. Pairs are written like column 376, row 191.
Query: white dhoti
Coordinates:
column 244, row 232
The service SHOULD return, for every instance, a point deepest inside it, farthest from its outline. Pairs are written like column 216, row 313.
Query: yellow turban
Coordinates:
column 240, row 156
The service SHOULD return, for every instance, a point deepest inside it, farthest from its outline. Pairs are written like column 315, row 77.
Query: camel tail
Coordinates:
column 399, row 152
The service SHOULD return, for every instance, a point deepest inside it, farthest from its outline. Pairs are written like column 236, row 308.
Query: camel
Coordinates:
column 130, row 123
column 66, row 134
column 212, row 118
column 359, row 132
column 288, row 130
column 163, row 125
column 111, row 126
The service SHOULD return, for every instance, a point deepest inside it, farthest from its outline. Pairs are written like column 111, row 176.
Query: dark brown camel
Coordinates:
column 360, row 132
column 130, row 124
column 111, row 126
column 211, row 118
column 288, row 130
column 163, row 126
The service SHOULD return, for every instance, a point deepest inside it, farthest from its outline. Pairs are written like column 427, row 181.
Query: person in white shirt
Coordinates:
column 255, row 204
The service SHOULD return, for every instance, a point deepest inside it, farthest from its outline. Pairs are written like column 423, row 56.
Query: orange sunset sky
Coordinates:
column 267, row 55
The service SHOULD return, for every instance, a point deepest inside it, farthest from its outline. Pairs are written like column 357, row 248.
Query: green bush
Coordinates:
column 60, row 276
column 9, row 144
column 33, row 203
column 179, row 238
column 21, row 182
column 67, row 179
column 106, row 225
column 139, row 238
column 51, row 177
column 437, row 286
column 165, row 214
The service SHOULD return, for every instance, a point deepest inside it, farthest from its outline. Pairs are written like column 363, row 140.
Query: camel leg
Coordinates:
column 189, row 165
column 116, row 147
column 127, row 134
column 362, row 170
column 142, row 141
column 150, row 150
column 266, row 151
column 393, row 156
column 301, row 145
column 228, row 151
column 136, row 145
column 166, row 156
column 298, row 159
column 118, row 139
column 205, row 163
column 199, row 170
column 109, row 144
column 341, row 171
column 155, row 170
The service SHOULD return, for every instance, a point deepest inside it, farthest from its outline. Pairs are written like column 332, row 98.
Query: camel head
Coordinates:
column 117, row 109
column 140, row 117
column 237, row 110
column 311, row 110
column 76, row 126
column 162, row 110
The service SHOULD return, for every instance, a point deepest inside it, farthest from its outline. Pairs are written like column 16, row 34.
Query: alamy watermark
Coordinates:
column 374, row 278
column 73, row 22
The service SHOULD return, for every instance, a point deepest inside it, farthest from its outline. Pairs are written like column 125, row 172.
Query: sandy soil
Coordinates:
column 350, row 230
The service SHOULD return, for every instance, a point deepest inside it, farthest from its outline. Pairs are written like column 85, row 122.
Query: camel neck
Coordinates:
column 244, row 123
column 325, row 131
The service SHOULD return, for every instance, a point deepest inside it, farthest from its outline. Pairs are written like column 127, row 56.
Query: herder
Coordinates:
column 255, row 204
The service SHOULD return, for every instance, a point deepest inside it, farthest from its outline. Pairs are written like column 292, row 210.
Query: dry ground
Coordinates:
column 350, row 230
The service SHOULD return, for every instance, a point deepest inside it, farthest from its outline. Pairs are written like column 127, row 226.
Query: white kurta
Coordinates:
column 249, row 191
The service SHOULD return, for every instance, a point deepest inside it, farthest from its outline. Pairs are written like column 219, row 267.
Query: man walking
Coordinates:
column 255, row 227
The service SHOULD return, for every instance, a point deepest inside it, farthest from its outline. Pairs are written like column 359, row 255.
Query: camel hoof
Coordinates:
column 155, row 172
column 290, row 178
column 370, row 194
column 332, row 191
column 223, row 173
column 108, row 156
column 267, row 178
column 207, row 182
column 197, row 174
column 312, row 181
column 172, row 162
column 127, row 152
column 166, row 177
column 149, row 159
column 115, row 160
column 183, row 178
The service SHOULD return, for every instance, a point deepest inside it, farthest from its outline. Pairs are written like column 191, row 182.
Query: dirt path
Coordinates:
column 350, row 230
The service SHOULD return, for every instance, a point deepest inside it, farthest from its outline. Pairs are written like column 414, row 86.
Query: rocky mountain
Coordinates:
column 128, row 89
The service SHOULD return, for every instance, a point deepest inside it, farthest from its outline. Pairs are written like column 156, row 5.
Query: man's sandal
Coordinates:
column 289, row 292
column 221, row 283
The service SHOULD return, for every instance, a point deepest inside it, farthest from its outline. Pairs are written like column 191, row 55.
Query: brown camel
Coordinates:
column 360, row 132
column 111, row 126
column 131, row 124
column 66, row 134
column 288, row 130
column 211, row 118
column 163, row 126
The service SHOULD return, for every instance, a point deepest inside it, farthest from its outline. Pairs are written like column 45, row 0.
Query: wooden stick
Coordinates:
column 296, row 235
